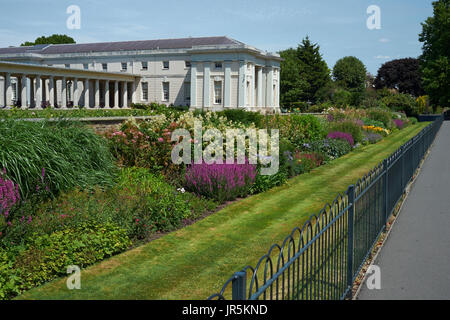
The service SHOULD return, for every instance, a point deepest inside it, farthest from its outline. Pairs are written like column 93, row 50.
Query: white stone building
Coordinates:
column 211, row 73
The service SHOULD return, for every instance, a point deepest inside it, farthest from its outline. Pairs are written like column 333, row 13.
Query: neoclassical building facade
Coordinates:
column 210, row 73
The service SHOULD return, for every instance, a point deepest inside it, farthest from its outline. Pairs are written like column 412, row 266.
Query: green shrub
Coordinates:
column 331, row 148
column 381, row 115
column 48, row 256
column 242, row 116
column 9, row 280
column 71, row 154
column 412, row 120
column 347, row 126
column 402, row 103
column 298, row 129
column 370, row 122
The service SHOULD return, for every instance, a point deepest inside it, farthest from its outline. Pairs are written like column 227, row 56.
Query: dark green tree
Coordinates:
column 53, row 39
column 400, row 74
column 435, row 58
column 349, row 73
column 303, row 73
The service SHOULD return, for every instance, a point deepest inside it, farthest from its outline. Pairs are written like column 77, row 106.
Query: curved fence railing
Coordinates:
column 321, row 260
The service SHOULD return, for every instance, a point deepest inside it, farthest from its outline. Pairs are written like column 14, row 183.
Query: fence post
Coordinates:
column 386, row 193
column 239, row 286
column 351, row 214
column 403, row 169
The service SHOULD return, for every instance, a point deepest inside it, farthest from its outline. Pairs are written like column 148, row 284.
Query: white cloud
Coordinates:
column 382, row 57
column 384, row 40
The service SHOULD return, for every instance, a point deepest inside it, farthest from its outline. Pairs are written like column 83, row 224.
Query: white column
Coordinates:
column 24, row 91
column 242, row 84
column 116, row 94
column 8, row 90
column 86, row 93
column 193, row 85
column 206, row 84
column 76, row 93
column 252, row 87
column 227, row 85
column 38, row 92
column 133, row 92
column 277, row 90
column 51, row 91
column 270, row 88
column 125, row 94
column 260, row 87
column 97, row 93
column 63, row 93
column 107, row 105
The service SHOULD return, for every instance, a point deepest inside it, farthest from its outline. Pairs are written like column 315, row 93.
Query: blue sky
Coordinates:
column 338, row 26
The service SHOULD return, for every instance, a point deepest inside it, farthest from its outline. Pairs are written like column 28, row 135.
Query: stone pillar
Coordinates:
column 133, row 92
column 227, row 85
column 86, row 93
column 277, row 90
column 51, row 91
column 116, row 94
column 193, row 85
column 8, row 90
column 252, row 87
column 125, row 95
column 38, row 92
column 260, row 87
column 63, row 93
column 206, row 84
column 242, row 84
column 97, row 94
column 23, row 91
column 107, row 105
column 270, row 88
column 76, row 93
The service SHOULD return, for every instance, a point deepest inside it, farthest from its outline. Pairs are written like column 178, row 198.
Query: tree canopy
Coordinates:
column 349, row 73
column 400, row 74
column 53, row 39
column 303, row 73
column 435, row 58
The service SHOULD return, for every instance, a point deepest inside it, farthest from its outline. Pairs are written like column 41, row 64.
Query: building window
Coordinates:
column 144, row 65
column 105, row 66
column 145, row 91
column 187, row 91
column 166, row 93
column 218, row 92
column 187, row 64
column 85, row 66
column 166, row 65
column 67, row 65
column 218, row 65
column 124, row 66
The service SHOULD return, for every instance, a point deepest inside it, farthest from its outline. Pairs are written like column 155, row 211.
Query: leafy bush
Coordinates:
column 243, row 116
column 298, row 129
column 370, row 122
column 371, row 137
column 48, row 256
column 341, row 135
column 331, row 148
column 347, row 126
column 402, row 103
column 72, row 155
column 381, row 115
column 412, row 120
column 220, row 181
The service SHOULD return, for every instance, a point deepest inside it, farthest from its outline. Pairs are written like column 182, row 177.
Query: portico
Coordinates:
column 36, row 87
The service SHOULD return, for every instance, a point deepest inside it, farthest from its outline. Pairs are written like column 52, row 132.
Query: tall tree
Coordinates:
column 53, row 39
column 303, row 73
column 400, row 74
column 350, row 74
column 435, row 58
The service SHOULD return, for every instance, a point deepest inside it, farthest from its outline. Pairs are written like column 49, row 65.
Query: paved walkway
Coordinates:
column 415, row 261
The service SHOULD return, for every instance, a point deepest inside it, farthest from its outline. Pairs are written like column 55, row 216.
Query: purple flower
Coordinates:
column 399, row 123
column 341, row 135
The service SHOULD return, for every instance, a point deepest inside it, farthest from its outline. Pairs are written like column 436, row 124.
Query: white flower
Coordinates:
column 181, row 190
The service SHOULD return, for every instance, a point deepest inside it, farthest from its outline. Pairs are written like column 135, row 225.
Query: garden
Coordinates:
column 69, row 196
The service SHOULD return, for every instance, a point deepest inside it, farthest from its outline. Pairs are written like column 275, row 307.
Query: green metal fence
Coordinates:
column 322, row 259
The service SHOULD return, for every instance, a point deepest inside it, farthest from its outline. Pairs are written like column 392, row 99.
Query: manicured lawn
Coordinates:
column 194, row 262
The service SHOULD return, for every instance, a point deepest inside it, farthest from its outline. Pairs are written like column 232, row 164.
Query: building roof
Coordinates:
column 182, row 43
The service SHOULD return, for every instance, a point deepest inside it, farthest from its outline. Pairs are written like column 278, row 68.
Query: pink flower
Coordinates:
column 160, row 139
